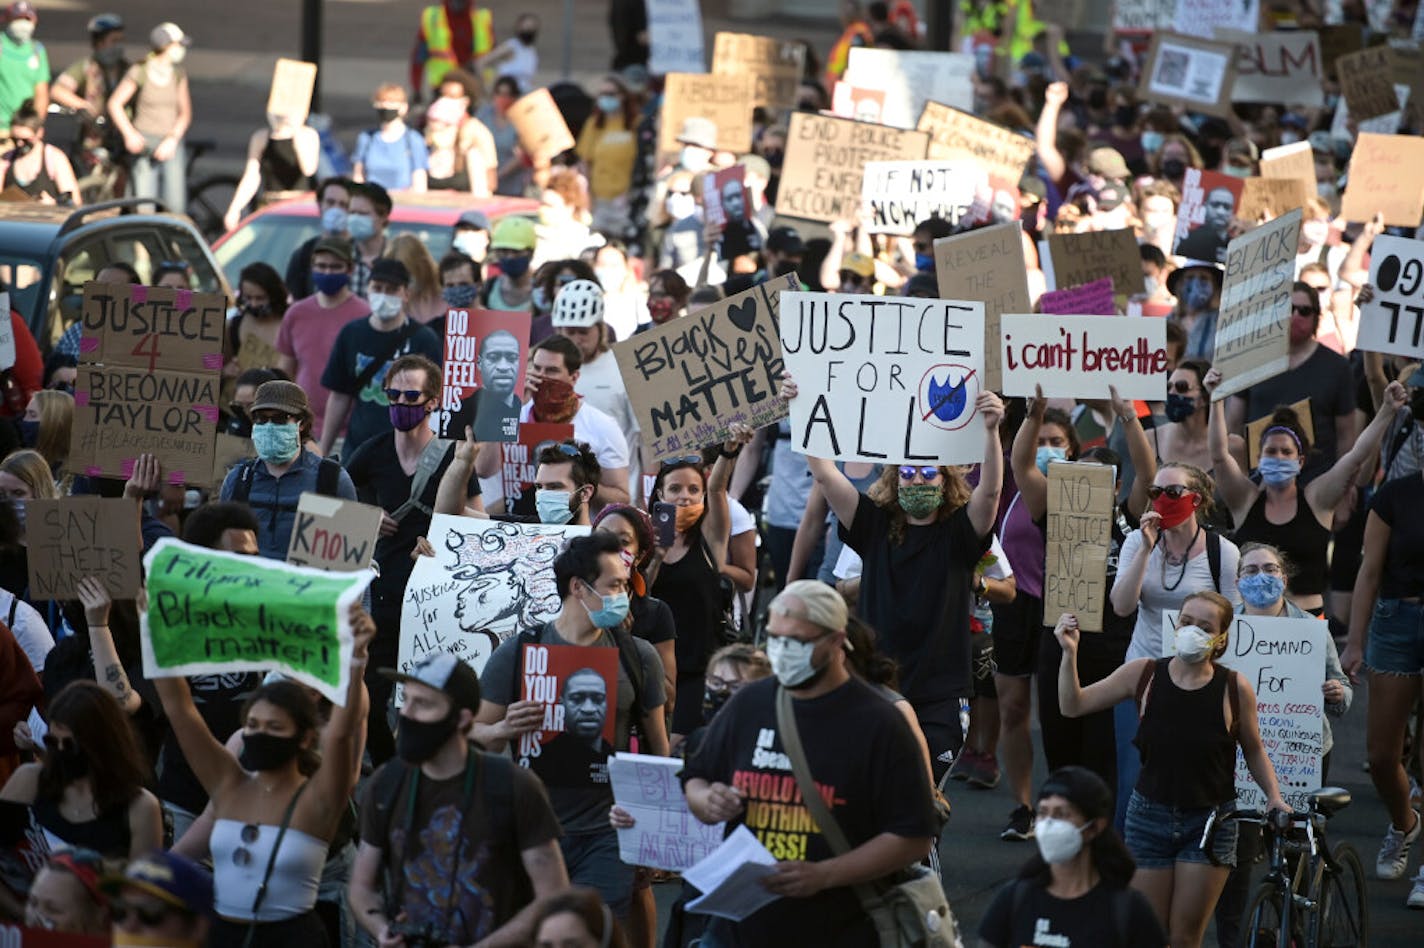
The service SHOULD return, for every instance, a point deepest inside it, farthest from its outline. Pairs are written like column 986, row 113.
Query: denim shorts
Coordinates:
column 1159, row 836
column 1396, row 645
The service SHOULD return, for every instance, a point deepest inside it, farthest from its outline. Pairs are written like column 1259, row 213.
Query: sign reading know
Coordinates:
column 1083, row 258
column 675, row 37
column 957, row 135
column 1284, row 661
column 1253, row 325
column 540, row 126
column 73, row 537
column 1080, row 356
column 825, row 162
column 724, row 99
column 898, row 195
column 665, row 835
column 777, row 66
column 892, row 380
column 1090, row 299
column 910, row 78
column 334, row 534
column 1393, row 321
column 986, row 265
column 292, row 83
column 1189, row 72
column 1079, row 534
column 691, row 379
column 211, row 612
column 1386, row 177
column 1277, row 67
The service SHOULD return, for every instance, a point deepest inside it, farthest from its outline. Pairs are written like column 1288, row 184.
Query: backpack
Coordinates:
column 328, row 481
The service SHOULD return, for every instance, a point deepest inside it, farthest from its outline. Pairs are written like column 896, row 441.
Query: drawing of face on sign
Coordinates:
column 947, row 395
column 510, row 574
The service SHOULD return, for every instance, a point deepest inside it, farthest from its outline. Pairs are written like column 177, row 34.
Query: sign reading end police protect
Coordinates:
column 887, row 380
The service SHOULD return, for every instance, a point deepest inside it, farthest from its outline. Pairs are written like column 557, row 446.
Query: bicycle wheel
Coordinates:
column 1344, row 913
column 207, row 203
column 1261, row 925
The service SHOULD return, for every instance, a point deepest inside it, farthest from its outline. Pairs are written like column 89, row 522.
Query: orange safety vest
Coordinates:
column 439, row 40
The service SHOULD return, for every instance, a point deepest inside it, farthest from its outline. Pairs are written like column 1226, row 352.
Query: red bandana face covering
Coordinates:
column 555, row 401
column 1175, row 511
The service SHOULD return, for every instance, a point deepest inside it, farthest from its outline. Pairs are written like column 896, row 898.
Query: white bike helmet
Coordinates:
column 579, row 305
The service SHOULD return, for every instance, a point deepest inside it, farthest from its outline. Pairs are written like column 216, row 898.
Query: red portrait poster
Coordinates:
column 485, row 355
column 578, row 687
column 521, row 460
column 1209, row 202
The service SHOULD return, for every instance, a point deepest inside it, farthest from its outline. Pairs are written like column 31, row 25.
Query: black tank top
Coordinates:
column 108, row 835
column 459, row 181
column 280, row 170
column 1188, row 755
column 693, row 591
column 40, row 184
column 1301, row 538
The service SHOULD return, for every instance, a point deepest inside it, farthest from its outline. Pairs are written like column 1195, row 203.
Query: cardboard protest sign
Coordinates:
column 1272, row 196
column 665, row 834
column 1282, row 67
column 1253, row 323
column 986, row 265
column 825, row 162
column 578, row 687
column 957, row 135
column 1344, row 127
column 1367, row 81
column 211, row 612
column 1284, row 661
column 777, row 66
column 1190, row 72
column 73, row 537
column 1083, row 258
column 891, row 380
column 898, row 195
column 675, row 37
column 1255, row 429
column 540, row 125
column 1386, row 177
column 255, row 352
column 1209, row 201
column 1079, row 535
column 910, row 78
column 1205, row 17
column 483, row 374
column 1295, row 160
column 521, row 458
column 853, row 102
column 121, row 412
column 691, row 379
column 1143, row 16
column 488, row 581
column 292, row 83
column 725, row 99
column 7, row 334
column 1393, row 321
column 1338, row 40
column 1080, row 356
column 152, row 327
column 1090, row 299
column 334, row 534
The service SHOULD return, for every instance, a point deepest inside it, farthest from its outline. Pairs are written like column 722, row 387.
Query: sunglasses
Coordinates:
column 1181, row 386
column 273, row 418
column 55, row 744
column 147, row 917
column 684, row 459
column 242, row 856
column 566, row 449
column 1303, row 310
column 1174, row 491
column 908, row 472
column 720, row 685
column 411, row 395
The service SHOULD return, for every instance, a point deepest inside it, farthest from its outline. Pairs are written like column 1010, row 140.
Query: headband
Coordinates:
column 1281, row 429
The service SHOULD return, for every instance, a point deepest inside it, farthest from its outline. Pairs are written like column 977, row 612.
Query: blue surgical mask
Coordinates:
column 924, row 262
column 1260, row 590
column 1197, row 293
column 614, row 611
column 330, row 284
column 360, row 226
column 608, row 104
column 1278, row 471
column 515, row 267
column 277, row 444
column 1047, row 453
column 1151, row 141
column 333, row 220
column 553, row 506
column 460, row 296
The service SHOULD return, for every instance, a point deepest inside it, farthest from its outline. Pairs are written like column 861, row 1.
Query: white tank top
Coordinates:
column 292, row 889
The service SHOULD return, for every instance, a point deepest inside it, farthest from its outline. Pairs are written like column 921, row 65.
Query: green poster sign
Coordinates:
column 211, row 611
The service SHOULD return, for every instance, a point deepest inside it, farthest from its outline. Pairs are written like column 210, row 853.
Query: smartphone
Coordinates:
column 665, row 522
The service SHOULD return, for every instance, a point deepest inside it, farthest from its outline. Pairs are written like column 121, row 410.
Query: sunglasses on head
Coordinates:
column 1174, row 491
column 1181, row 386
column 908, row 472
column 683, row 459
column 412, row 395
column 566, row 449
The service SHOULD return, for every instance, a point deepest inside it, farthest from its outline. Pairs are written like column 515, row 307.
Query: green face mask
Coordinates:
column 920, row 500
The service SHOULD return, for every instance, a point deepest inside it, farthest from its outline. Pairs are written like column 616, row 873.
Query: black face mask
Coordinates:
column 268, row 751
column 418, row 741
column 527, row 38
column 784, row 267
column 387, row 115
column 1416, row 403
column 68, row 762
column 1174, row 168
column 712, row 702
column 1124, row 116
column 1180, row 407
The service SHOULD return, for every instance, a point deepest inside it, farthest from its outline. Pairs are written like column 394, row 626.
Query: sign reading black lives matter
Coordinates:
column 893, row 380
column 1253, row 327
column 691, row 379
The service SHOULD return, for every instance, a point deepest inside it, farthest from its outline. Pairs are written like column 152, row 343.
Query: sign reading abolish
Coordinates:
column 863, row 363
column 1253, row 325
column 1003, row 152
column 334, row 534
column 211, row 611
column 691, row 379
column 725, row 99
column 777, row 66
column 1079, row 356
column 1393, row 321
column 665, row 834
column 1284, row 661
column 73, row 537
column 1079, row 533
column 986, row 264
column 898, row 195
column 825, row 160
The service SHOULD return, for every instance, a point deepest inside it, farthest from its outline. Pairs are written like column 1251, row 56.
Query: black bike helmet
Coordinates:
column 104, row 24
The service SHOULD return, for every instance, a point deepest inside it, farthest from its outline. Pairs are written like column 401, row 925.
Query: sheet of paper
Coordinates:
column 38, row 726
column 730, row 878
column 665, row 835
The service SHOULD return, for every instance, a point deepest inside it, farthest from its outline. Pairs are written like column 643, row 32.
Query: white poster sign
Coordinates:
column 1393, row 321
column 897, row 195
column 675, row 37
column 1278, row 67
column 1080, row 356
column 665, row 834
column 910, row 78
column 7, row 334
column 1204, row 17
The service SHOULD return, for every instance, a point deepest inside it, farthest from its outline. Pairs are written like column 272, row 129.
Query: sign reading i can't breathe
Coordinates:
column 887, row 380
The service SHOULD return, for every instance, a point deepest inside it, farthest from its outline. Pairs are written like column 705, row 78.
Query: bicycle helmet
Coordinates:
column 104, row 24
column 578, row 305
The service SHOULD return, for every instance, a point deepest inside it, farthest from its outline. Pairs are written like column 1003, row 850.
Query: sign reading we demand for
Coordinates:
column 211, row 611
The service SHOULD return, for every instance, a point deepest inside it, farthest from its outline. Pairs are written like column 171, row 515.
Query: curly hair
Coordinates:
column 885, row 493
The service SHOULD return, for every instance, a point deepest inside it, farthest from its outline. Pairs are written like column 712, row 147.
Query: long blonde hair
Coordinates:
column 31, row 468
column 56, row 410
column 885, row 492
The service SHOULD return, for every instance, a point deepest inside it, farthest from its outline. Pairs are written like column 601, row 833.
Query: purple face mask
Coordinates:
column 407, row 417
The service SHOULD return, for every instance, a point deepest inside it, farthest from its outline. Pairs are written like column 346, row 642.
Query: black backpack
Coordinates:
column 328, row 481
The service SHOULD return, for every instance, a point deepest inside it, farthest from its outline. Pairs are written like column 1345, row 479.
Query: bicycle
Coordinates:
column 1317, row 898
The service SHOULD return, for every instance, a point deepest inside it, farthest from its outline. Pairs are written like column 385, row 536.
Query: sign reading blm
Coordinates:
column 886, row 380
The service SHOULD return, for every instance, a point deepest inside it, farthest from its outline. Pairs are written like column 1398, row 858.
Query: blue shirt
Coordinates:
column 274, row 499
column 392, row 164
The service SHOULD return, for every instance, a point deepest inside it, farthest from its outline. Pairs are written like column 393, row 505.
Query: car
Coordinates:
column 272, row 233
column 48, row 253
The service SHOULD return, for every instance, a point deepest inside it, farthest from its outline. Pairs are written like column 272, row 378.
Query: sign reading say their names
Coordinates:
column 210, row 612
column 1283, row 660
column 891, row 380
column 152, row 327
column 1079, row 534
column 1080, row 356
column 1252, row 326
column 898, row 195
column 1083, row 258
column 334, row 534
column 73, row 537
column 724, row 99
column 910, row 78
column 825, row 163
column 691, row 379
column 987, row 265
column 675, row 37
column 665, row 834
column 957, row 135
column 776, row 64
column 1393, row 321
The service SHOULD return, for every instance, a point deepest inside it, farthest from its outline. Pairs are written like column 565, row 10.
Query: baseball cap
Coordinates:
column 513, row 233
column 390, row 270
column 445, row 673
column 698, row 131
column 1088, row 793
column 21, row 10
column 785, row 239
column 1108, row 162
column 859, row 264
column 281, row 395
column 474, row 220
column 337, row 246
column 165, row 35
column 1174, row 279
column 169, row 878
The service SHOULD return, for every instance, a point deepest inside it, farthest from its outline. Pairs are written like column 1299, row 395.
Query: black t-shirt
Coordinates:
column 1325, row 378
column 484, row 877
column 219, row 699
column 918, row 595
column 1106, row 917
column 881, row 788
column 652, row 620
column 356, row 346
column 1397, row 503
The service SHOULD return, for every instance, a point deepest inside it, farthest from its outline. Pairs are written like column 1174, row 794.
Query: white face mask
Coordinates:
column 177, row 54
column 681, row 205
column 1058, row 840
column 21, row 31
column 790, row 659
column 1193, row 645
column 384, row 306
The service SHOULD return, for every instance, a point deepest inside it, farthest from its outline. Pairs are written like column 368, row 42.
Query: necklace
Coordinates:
column 1186, row 557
